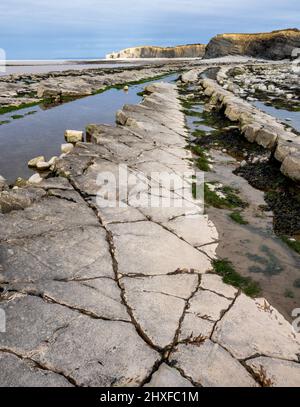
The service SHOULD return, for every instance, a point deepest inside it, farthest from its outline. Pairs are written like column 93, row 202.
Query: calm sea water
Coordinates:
column 35, row 67
column 290, row 118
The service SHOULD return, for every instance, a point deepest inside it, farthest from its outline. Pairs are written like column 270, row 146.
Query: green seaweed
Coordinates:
column 202, row 162
column 289, row 293
column 293, row 244
column 230, row 201
column 297, row 283
column 238, row 218
column 230, row 276
column 9, row 109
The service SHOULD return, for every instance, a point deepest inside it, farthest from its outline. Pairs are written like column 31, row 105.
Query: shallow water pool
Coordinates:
column 41, row 132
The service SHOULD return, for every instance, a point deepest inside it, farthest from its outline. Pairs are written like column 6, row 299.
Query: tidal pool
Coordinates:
column 252, row 246
column 288, row 117
column 38, row 131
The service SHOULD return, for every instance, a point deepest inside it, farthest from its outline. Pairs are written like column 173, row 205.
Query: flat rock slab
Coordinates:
column 17, row 372
column 159, row 251
column 158, row 303
column 254, row 327
column 101, row 353
column 167, row 376
column 79, row 253
column 214, row 283
column 208, row 305
column 275, row 372
column 209, row 365
column 97, row 297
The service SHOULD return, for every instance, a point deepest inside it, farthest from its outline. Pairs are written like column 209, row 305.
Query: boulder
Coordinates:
column 266, row 137
column 43, row 166
column 250, row 131
column 35, row 179
column 67, row 148
column 286, row 147
column 2, row 183
column 291, row 166
column 34, row 161
column 73, row 136
column 53, row 160
column 121, row 117
column 190, row 76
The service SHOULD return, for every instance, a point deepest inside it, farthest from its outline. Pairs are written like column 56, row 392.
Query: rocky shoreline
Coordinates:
column 160, row 318
column 25, row 90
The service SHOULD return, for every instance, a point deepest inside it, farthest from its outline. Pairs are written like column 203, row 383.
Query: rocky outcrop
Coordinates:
column 258, row 127
column 180, row 51
column 274, row 45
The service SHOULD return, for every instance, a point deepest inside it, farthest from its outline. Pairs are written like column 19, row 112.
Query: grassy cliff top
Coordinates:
column 164, row 48
column 289, row 32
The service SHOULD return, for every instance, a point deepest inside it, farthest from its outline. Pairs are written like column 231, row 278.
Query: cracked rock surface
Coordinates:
column 106, row 295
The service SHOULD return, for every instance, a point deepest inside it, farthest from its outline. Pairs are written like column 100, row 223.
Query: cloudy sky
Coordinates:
column 41, row 29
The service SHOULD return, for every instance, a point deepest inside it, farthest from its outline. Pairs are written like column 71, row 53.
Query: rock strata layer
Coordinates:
column 275, row 45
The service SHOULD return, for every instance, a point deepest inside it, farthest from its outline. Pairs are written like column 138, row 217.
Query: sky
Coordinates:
column 67, row 29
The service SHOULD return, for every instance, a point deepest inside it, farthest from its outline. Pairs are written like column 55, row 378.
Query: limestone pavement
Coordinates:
column 125, row 296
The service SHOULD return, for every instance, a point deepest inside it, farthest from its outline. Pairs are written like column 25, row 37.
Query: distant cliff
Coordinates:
column 274, row 45
column 180, row 51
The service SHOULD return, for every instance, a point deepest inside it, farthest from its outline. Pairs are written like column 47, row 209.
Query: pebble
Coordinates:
column 67, row 148
column 34, row 161
column 73, row 136
column 43, row 166
column 35, row 179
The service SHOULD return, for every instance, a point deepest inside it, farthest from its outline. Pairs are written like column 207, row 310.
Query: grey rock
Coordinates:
column 209, row 365
column 100, row 354
column 275, row 372
column 16, row 372
column 167, row 376
column 254, row 327
column 160, row 252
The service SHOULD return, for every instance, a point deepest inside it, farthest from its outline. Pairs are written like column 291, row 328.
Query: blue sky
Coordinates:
column 41, row 29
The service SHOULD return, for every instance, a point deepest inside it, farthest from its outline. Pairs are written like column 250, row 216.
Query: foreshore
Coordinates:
column 132, row 286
